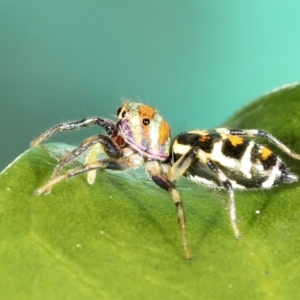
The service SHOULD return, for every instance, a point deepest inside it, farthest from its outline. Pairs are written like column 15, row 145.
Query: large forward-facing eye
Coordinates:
column 146, row 121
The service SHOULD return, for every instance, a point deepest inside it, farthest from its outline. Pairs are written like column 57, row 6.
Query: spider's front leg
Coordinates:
column 155, row 172
column 129, row 159
column 108, row 125
column 109, row 146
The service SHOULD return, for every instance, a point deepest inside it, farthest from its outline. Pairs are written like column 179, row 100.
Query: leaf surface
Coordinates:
column 119, row 238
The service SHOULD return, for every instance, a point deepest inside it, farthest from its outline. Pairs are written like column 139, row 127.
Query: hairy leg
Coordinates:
column 260, row 134
column 120, row 164
column 154, row 171
column 109, row 146
column 108, row 125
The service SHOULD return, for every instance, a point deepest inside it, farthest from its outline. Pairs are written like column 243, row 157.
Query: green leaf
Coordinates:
column 119, row 238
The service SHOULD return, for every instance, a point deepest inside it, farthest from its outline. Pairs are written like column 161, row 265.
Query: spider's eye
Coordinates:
column 119, row 110
column 146, row 121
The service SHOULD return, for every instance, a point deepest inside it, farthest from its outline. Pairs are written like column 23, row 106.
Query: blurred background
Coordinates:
column 196, row 61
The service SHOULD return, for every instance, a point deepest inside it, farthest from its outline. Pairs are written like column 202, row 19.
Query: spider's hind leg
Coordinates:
column 231, row 203
column 258, row 133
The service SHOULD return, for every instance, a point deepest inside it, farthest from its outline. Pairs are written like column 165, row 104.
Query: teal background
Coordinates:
column 196, row 61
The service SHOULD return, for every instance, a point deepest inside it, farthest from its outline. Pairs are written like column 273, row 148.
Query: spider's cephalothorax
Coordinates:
column 224, row 158
column 144, row 130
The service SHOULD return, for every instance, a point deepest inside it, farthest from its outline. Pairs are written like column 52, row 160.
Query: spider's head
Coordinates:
column 144, row 130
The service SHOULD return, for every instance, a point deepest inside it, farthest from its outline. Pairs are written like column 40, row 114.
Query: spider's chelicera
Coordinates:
column 220, row 158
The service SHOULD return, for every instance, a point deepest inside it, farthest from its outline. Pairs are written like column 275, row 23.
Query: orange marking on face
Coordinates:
column 164, row 132
column 235, row 140
column 265, row 153
column 146, row 112
column 204, row 138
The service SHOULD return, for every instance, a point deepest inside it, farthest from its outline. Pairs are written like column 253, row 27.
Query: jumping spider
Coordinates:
column 220, row 158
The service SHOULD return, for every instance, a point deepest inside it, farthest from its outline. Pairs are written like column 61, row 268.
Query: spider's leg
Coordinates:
column 108, row 125
column 120, row 164
column 154, row 170
column 182, row 164
column 260, row 134
column 228, row 187
column 108, row 145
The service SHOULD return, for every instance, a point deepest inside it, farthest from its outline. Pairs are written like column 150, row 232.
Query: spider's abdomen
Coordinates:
column 244, row 163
